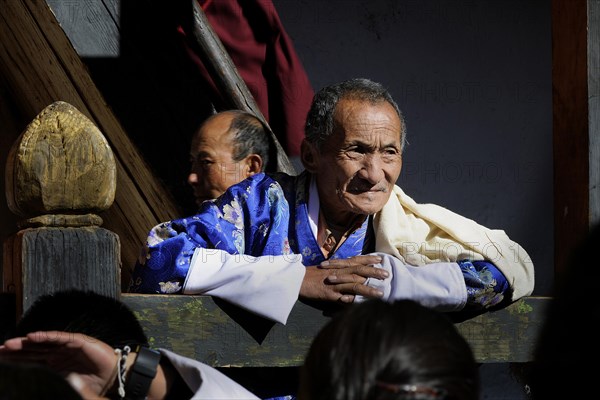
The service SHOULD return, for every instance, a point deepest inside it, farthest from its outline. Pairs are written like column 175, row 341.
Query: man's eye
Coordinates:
column 355, row 151
column 201, row 162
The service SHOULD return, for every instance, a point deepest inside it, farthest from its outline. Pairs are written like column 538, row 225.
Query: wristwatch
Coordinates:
column 142, row 373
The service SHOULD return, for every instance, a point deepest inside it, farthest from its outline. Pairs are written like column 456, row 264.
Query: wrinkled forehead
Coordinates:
column 355, row 116
column 367, row 99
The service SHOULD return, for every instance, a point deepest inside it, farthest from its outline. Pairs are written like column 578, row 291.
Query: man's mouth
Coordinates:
column 357, row 189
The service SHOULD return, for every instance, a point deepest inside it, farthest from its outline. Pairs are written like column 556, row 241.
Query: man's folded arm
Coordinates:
column 445, row 286
column 267, row 286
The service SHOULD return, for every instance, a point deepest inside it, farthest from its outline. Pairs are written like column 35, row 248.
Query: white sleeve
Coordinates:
column 438, row 285
column 268, row 285
column 205, row 381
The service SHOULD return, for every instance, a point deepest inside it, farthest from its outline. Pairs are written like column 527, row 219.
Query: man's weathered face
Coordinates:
column 213, row 169
column 359, row 164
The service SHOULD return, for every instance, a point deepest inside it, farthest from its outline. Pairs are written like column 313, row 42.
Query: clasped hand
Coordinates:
column 342, row 279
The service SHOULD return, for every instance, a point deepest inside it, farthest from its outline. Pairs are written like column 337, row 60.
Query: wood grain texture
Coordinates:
column 222, row 335
column 60, row 163
column 86, row 25
column 43, row 260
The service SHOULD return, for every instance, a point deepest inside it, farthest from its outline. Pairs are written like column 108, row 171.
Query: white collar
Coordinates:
column 313, row 205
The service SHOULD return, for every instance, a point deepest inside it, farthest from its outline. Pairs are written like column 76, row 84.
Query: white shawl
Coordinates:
column 420, row 234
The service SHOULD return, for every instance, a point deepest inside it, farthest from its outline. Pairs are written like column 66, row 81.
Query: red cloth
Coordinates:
column 264, row 55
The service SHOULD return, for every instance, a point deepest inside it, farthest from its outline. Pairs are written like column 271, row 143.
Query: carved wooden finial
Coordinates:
column 60, row 170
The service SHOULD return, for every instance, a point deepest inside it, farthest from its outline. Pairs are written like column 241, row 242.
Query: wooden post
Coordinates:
column 571, row 128
column 59, row 173
column 593, row 50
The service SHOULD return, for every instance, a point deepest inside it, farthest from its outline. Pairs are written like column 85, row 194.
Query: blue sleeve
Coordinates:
column 235, row 222
column 164, row 262
column 486, row 285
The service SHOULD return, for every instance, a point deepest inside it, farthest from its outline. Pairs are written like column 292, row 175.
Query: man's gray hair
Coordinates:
column 319, row 121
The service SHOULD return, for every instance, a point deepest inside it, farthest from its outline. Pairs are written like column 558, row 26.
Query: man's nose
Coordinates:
column 372, row 168
column 192, row 178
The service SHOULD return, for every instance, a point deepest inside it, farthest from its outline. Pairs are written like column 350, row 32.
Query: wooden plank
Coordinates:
column 594, row 109
column 23, row 53
column 570, row 127
column 40, row 66
column 509, row 334
column 114, row 8
column 222, row 335
column 91, row 34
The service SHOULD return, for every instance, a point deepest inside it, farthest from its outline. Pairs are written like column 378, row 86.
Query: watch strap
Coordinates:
column 142, row 373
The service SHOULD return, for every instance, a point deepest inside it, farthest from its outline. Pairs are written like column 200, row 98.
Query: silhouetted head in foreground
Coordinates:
column 377, row 350
column 568, row 340
column 92, row 314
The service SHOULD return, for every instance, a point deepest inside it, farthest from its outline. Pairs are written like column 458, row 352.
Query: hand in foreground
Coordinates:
column 342, row 279
column 81, row 358
column 83, row 389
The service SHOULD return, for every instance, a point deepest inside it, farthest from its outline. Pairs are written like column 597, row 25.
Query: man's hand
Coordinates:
column 81, row 358
column 342, row 279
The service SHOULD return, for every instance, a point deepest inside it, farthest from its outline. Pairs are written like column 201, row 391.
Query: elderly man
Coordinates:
column 228, row 147
column 340, row 231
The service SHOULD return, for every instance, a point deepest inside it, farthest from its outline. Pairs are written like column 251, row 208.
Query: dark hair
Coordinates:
column 319, row 121
column 33, row 382
column 377, row 350
column 251, row 136
column 92, row 314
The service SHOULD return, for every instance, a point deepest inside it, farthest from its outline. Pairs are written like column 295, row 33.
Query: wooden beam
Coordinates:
column 228, row 80
column 223, row 335
column 570, row 127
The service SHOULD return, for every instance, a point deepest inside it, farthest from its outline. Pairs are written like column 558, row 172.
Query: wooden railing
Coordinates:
column 223, row 335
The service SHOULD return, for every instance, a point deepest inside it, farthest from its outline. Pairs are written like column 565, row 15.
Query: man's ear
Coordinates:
column 254, row 164
column 309, row 156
